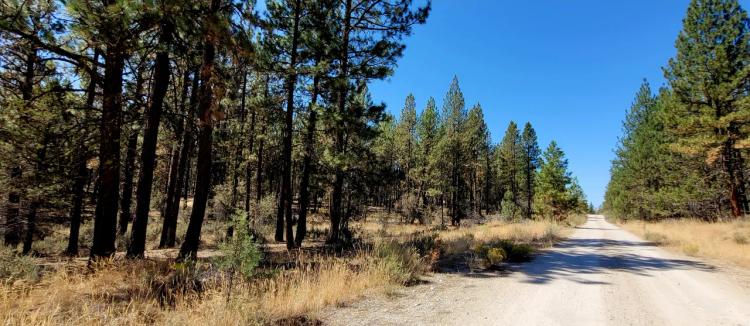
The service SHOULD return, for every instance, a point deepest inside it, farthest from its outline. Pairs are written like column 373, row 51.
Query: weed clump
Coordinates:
column 400, row 262
column 656, row 238
column 15, row 267
column 740, row 238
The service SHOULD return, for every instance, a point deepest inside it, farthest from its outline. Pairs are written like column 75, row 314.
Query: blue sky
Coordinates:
column 571, row 68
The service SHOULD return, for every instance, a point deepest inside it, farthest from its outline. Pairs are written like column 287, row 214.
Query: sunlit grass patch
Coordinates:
column 724, row 241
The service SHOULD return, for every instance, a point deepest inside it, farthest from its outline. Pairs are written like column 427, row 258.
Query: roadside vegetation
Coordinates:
column 727, row 241
column 261, row 285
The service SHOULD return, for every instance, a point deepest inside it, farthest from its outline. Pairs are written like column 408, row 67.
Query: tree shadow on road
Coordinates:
column 578, row 259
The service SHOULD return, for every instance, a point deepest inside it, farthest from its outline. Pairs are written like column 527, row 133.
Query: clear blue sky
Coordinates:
column 571, row 68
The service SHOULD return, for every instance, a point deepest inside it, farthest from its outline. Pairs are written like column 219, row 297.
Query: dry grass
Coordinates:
column 540, row 233
column 133, row 292
column 723, row 241
column 125, row 292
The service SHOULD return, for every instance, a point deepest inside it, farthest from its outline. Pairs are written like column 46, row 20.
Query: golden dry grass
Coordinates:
column 723, row 241
column 124, row 292
column 541, row 233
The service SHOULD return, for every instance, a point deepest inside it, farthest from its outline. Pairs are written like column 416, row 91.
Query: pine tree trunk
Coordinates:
column 176, row 181
column 307, row 167
column 338, row 183
column 285, row 200
column 78, row 196
column 529, row 189
column 238, row 155
column 259, row 174
column 248, row 169
column 12, row 235
column 81, row 173
column 127, row 186
column 148, row 152
column 105, row 219
column 734, row 173
column 189, row 249
column 31, row 219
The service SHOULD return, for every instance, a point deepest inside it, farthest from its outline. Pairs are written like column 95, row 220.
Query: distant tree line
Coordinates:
column 682, row 150
column 445, row 160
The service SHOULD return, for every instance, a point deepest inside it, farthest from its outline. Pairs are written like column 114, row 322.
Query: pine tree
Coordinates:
column 368, row 44
column 709, row 78
column 554, row 178
column 406, row 140
column 428, row 129
column 451, row 150
column 509, row 158
column 477, row 142
column 529, row 164
column 161, row 81
column 206, row 113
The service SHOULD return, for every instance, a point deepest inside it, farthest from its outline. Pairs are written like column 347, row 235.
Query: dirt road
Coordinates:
column 602, row 275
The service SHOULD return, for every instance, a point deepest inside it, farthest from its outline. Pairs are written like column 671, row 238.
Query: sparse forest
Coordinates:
column 163, row 141
column 311, row 162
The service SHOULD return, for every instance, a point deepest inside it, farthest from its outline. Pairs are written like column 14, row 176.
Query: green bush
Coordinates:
column 16, row 267
column 240, row 253
column 495, row 256
column 401, row 262
column 424, row 244
column 496, row 251
column 520, row 252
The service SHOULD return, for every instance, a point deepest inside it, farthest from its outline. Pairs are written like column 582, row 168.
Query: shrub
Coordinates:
column 551, row 233
column 411, row 208
column 508, row 250
column 740, row 238
column 240, row 253
column 656, row 238
column 691, row 249
column 184, row 279
column 495, row 256
column 15, row 267
column 576, row 219
column 520, row 253
column 401, row 263
column 424, row 244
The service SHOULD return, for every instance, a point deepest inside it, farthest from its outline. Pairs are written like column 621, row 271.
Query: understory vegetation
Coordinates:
column 284, row 288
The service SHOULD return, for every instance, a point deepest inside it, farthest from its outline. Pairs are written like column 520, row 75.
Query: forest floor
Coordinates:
column 601, row 275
